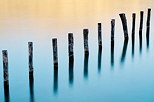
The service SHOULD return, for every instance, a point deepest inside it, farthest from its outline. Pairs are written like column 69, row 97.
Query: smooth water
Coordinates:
column 101, row 77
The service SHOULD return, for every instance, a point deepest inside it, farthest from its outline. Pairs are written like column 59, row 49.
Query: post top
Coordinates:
column 30, row 42
column 112, row 20
column 4, row 51
column 85, row 31
column 122, row 14
column 54, row 38
column 70, row 33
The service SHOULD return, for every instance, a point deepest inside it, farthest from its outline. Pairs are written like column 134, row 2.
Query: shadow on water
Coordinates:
column 55, row 83
column 6, row 92
column 71, row 73
column 112, row 53
column 99, row 58
column 123, row 56
column 86, row 58
column 31, row 87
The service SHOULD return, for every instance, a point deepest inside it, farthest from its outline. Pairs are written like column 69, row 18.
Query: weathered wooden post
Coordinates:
column 148, row 26
column 112, row 29
column 148, row 17
column 85, row 35
column 112, row 41
column 5, row 68
column 70, row 46
column 55, row 52
column 99, row 34
column 140, row 30
column 133, row 24
column 141, row 24
column 30, row 49
column 133, row 32
column 124, row 23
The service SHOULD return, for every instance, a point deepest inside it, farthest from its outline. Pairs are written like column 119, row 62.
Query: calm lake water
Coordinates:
column 101, row 77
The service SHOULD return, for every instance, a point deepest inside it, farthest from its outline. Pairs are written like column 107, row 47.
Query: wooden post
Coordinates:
column 148, row 27
column 133, row 24
column 100, row 34
column 55, row 52
column 112, row 29
column 70, row 46
column 5, row 67
column 30, row 46
column 133, row 32
column 148, row 17
column 124, row 23
column 141, row 24
column 112, row 41
column 140, row 30
column 85, row 35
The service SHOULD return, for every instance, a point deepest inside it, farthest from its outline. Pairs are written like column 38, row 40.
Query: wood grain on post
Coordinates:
column 112, row 29
column 5, row 67
column 70, row 45
column 100, row 34
column 124, row 23
column 55, row 52
column 85, row 35
column 30, row 49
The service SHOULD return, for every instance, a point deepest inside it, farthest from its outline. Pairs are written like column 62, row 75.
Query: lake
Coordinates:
column 123, row 75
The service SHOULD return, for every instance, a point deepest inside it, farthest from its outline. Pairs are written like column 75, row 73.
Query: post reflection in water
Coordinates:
column 6, row 92
column 86, row 58
column 71, row 73
column 31, row 87
column 55, row 83
column 112, row 53
column 99, row 58
column 123, row 56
